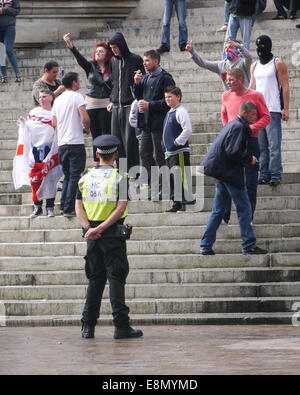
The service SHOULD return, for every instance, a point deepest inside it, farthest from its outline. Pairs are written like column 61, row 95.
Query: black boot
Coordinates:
column 175, row 207
column 123, row 333
column 87, row 331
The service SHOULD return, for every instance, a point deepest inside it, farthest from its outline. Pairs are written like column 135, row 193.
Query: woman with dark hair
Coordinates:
column 99, row 85
column 48, row 81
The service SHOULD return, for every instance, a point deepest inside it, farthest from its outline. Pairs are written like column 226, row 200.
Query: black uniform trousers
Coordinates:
column 106, row 259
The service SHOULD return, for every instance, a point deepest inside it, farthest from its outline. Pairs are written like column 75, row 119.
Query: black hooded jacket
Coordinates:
column 242, row 8
column 123, row 70
column 228, row 154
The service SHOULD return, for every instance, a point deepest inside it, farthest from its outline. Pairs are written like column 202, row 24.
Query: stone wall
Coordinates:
column 47, row 21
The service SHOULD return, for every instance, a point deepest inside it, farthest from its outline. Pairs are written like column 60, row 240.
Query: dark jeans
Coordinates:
column 151, row 151
column 7, row 36
column 251, row 174
column 106, row 259
column 49, row 203
column 290, row 5
column 121, row 128
column 100, row 124
column 225, row 192
column 72, row 158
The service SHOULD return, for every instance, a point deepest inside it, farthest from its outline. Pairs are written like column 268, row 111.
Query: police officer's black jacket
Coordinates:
column 227, row 155
column 242, row 7
column 123, row 70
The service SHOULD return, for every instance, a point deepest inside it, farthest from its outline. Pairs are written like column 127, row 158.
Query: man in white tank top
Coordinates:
column 269, row 76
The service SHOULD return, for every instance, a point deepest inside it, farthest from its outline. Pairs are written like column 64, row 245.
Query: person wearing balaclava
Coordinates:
column 269, row 76
column 237, row 56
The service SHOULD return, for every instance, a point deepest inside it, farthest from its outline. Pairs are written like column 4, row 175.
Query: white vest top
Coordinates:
column 266, row 83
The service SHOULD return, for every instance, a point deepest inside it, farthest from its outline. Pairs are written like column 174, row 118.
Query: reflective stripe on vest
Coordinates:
column 99, row 189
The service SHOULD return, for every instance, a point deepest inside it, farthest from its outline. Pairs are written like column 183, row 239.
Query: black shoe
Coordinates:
column 293, row 16
column 182, row 47
column 255, row 251
column 274, row 182
column 207, row 251
column 263, row 181
column 163, row 48
column 127, row 333
column 175, row 207
column 298, row 26
column 280, row 16
column 87, row 331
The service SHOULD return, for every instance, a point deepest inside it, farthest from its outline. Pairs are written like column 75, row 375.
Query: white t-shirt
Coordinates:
column 69, row 123
column 266, row 83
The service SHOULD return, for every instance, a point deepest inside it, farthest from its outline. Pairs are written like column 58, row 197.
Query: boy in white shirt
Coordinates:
column 176, row 134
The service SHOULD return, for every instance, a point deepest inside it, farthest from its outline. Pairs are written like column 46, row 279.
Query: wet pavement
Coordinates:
column 164, row 350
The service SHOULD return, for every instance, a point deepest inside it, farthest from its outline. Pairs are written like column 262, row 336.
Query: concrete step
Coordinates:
column 160, row 319
column 263, row 203
column 155, row 291
column 266, row 217
column 156, row 306
column 169, row 281
column 170, row 233
column 158, row 261
column 186, row 246
column 157, row 276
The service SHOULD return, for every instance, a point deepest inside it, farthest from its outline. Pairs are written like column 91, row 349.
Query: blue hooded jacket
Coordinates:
column 228, row 154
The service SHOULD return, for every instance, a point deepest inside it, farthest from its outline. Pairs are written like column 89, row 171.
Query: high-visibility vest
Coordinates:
column 100, row 192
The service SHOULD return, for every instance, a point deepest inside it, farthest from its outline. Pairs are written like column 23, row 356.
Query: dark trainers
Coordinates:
column 127, row 333
column 207, row 251
column 36, row 212
column 18, row 79
column 263, row 181
column 280, row 16
column 87, row 331
column 255, row 251
column 4, row 80
column 70, row 215
column 175, row 207
column 274, row 182
column 163, row 48
column 182, row 47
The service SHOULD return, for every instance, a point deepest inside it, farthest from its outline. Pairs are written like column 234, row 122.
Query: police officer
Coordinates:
column 101, row 207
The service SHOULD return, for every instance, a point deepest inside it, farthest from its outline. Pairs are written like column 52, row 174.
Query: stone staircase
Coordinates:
column 42, row 281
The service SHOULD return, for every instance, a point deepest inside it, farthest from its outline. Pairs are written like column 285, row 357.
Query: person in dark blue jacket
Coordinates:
column 225, row 161
column 149, row 89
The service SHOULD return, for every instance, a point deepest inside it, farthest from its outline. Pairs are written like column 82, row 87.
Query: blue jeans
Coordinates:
column 245, row 26
column 49, row 203
column 7, row 36
column 270, row 149
column 224, row 192
column 72, row 159
column 167, row 7
column 226, row 13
